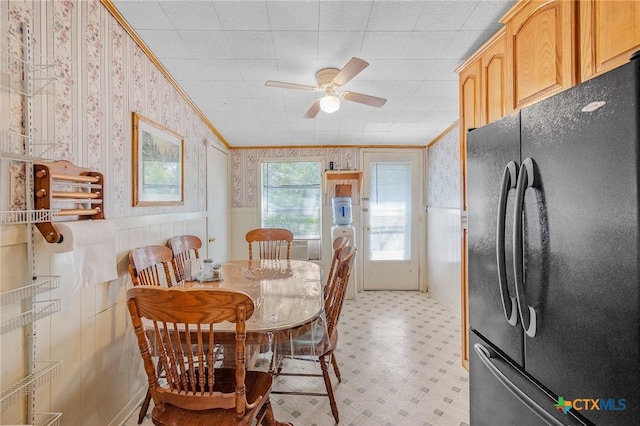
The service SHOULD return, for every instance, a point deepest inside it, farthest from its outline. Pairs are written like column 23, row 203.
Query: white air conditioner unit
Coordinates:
column 299, row 250
column 306, row 250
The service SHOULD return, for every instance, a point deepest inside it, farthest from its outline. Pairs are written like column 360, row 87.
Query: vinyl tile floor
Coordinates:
column 399, row 355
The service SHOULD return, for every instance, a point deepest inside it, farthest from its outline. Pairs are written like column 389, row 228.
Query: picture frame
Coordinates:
column 158, row 164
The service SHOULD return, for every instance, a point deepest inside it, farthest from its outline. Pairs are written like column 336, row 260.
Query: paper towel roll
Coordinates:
column 93, row 243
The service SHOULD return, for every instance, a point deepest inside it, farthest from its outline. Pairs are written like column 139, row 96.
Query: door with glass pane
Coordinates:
column 391, row 206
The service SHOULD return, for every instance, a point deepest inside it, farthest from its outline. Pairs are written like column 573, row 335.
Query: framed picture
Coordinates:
column 158, row 164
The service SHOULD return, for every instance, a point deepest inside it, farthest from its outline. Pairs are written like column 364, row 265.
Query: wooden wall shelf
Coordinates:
column 343, row 175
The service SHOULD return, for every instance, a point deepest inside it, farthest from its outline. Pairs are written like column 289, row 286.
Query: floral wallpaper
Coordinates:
column 444, row 171
column 101, row 77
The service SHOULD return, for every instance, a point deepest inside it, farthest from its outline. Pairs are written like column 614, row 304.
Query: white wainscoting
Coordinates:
column 443, row 256
column 101, row 379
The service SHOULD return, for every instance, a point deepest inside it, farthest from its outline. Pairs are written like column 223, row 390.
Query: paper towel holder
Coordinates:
column 74, row 193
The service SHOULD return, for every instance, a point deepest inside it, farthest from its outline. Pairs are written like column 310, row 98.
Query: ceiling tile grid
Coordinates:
column 222, row 52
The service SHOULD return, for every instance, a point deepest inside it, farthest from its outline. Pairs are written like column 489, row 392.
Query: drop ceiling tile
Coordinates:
column 374, row 126
column 234, row 104
column 399, row 69
column 465, row 43
column 242, row 15
column 191, row 15
column 143, row 15
column 444, row 69
column 400, row 88
column 206, row 44
column 183, row 69
column 220, row 69
column 429, row 45
column 436, row 89
column 352, row 126
column 258, row 70
column 298, row 105
column 274, row 105
column 409, row 116
column 351, row 137
column 164, row 43
column 295, row 44
column 339, row 45
column 487, row 14
column 251, row 44
column 297, row 71
column 394, row 15
column 202, row 88
column 230, row 89
column 403, row 128
column 384, row 45
column 345, row 15
column 293, row 15
column 211, row 107
column 298, row 125
column 445, row 15
column 274, row 128
column 384, row 115
column 418, row 104
column 375, row 138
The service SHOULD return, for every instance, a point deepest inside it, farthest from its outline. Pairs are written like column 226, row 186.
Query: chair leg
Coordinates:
column 144, row 407
column 327, row 383
column 266, row 418
column 335, row 367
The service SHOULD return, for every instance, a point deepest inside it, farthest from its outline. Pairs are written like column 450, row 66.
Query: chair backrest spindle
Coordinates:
column 270, row 242
column 185, row 249
column 184, row 321
column 150, row 265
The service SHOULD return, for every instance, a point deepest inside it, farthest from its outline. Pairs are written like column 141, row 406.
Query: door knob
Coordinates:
column 367, row 228
column 212, row 240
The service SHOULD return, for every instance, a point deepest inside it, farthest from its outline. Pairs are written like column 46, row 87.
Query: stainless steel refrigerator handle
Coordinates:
column 528, row 315
column 485, row 356
column 509, row 303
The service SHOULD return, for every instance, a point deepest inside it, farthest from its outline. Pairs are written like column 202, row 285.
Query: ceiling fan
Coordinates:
column 330, row 80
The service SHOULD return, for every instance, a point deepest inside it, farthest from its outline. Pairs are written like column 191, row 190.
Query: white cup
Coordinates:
column 207, row 268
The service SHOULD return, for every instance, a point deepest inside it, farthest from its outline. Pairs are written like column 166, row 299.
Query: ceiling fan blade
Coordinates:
column 353, row 68
column 373, row 101
column 313, row 111
column 280, row 84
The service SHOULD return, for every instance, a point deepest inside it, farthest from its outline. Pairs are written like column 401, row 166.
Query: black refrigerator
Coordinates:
column 553, row 246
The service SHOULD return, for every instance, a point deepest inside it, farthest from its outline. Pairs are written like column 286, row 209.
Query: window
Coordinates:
column 291, row 197
column 390, row 211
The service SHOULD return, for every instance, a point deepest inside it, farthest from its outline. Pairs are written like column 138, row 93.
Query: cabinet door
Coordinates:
column 609, row 34
column 540, row 58
column 493, row 81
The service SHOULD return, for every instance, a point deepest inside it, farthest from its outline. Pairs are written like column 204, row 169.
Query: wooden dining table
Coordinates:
column 287, row 295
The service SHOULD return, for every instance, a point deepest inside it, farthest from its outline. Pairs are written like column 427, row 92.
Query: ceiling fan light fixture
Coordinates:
column 329, row 103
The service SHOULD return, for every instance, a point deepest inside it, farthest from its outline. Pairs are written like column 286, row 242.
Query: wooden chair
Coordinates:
column 319, row 343
column 150, row 265
column 270, row 242
column 185, row 249
column 338, row 244
column 195, row 392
